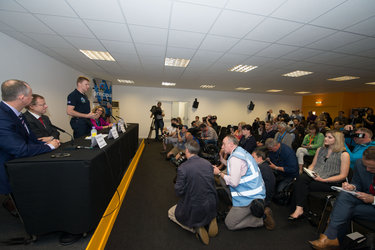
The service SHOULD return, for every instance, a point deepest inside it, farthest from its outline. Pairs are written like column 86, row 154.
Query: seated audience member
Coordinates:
column 170, row 134
column 311, row 118
column 181, row 139
column 299, row 133
column 348, row 206
column 246, row 188
column 195, row 186
column 209, row 134
column 355, row 119
column 269, row 116
column 360, row 141
column 247, row 141
column 328, row 119
column 238, row 132
column 211, row 121
column 312, row 141
column 283, row 117
column 256, row 125
column 283, row 161
column 260, row 156
column 269, row 132
column 341, row 118
column 322, row 127
column 197, row 121
column 338, row 126
column 38, row 122
column 260, row 131
column 99, row 122
column 331, row 165
column 283, row 135
column 369, row 119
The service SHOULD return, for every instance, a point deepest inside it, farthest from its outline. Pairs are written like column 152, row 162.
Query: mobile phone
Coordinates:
column 59, row 155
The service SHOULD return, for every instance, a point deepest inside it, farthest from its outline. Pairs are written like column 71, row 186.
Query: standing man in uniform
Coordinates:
column 79, row 108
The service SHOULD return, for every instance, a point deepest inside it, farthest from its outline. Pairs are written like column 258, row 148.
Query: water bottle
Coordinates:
column 93, row 132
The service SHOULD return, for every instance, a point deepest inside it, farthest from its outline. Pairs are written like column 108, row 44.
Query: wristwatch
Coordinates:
column 219, row 174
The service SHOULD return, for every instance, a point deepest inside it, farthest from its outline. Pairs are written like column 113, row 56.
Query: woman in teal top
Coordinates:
column 312, row 141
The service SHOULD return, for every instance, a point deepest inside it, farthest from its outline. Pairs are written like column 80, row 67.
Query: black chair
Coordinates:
column 362, row 226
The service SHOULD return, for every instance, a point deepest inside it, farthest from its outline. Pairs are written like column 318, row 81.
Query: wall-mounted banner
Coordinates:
column 103, row 95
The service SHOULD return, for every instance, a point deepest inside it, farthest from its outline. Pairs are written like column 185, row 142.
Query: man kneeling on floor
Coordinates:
column 196, row 186
column 246, row 188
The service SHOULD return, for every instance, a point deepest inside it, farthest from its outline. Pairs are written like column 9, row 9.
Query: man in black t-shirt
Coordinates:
column 79, row 108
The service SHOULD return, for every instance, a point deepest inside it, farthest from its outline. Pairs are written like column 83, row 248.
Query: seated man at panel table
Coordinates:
column 38, row 122
column 195, row 186
column 348, row 206
column 16, row 138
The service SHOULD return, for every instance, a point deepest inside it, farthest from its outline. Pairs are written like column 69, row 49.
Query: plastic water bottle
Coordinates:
column 93, row 132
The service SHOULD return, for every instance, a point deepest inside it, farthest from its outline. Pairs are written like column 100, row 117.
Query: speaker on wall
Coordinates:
column 251, row 106
column 195, row 104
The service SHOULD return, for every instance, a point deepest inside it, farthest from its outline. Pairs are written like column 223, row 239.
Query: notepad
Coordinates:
column 339, row 189
column 310, row 173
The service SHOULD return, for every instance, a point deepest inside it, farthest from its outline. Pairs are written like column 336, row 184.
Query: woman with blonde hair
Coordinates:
column 99, row 122
column 331, row 166
column 238, row 132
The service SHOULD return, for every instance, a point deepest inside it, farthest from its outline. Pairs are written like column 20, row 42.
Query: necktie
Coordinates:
column 41, row 121
column 372, row 190
column 23, row 123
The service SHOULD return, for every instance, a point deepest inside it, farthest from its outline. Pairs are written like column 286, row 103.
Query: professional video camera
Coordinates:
column 179, row 126
column 155, row 110
column 352, row 134
column 209, row 152
column 181, row 159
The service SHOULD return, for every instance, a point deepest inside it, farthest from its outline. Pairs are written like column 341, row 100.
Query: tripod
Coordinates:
column 152, row 127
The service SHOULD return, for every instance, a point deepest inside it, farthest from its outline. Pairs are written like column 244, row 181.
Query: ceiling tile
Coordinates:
column 248, row 47
column 156, row 14
column 305, row 10
column 204, row 56
column 347, row 14
column 272, row 30
column 276, row 50
column 366, row 27
column 302, row 54
column 11, row 5
column 260, row 7
column 107, row 10
column 325, row 57
column 356, row 47
column 151, row 50
column 48, row 7
column 174, row 52
column 66, row 26
column 216, row 3
column 109, row 31
column 86, row 43
column 24, row 22
column 148, row 35
column 306, row 35
column 191, row 17
column 121, row 47
column 51, row 41
column 218, row 43
column 185, row 39
column 235, row 24
column 336, row 40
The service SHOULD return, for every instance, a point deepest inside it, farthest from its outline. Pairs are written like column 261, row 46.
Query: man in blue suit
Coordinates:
column 16, row 139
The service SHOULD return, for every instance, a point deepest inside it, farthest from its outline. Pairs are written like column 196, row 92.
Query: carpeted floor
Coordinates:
column 143, row 223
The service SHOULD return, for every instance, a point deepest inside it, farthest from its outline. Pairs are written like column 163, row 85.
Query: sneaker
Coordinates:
column 212, row 228
column 269, row 222
column 202, row 235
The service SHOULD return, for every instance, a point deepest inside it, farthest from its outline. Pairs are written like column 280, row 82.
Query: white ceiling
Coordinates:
column 330, row 38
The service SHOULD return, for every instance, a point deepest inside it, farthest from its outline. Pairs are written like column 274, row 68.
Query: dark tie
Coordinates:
column 372, row 190
column 41, row 121
column 23, row 122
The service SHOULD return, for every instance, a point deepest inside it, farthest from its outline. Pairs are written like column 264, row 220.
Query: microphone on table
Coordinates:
column 62, row 130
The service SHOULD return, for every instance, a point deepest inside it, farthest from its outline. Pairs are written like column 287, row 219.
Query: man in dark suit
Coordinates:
column 360, row 205
column 16, row 139
column 38, row 122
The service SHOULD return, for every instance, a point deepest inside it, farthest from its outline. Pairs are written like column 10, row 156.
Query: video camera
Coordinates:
column 352, row 134
column 155, row 110
column 179, row 126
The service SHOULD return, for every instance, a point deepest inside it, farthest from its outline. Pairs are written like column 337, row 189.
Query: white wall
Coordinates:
column 46, row 76
column 230, row 107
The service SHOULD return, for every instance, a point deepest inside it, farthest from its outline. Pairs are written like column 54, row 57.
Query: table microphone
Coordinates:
column 62, row 130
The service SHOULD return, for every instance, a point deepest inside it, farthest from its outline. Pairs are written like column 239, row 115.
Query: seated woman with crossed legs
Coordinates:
column 331, row 165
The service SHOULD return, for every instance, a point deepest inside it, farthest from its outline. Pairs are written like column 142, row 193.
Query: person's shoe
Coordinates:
column 202, row 235
column 67, row 238
column 269, row 222
column 324, row 243
column 212, row 228
column 9, row 205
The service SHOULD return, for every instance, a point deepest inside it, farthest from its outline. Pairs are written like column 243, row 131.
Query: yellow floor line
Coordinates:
column 103, row 230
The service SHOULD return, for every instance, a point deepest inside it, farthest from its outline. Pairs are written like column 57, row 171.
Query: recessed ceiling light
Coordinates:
column 297, row 73
column 370, row 83
column 242, row 88
column 302, row 92
column 98, row 55
column 242, row 68
column 207, row 86
column 343, row 78
column 125, row 81
column 176, row 62
column 274, row 90
column 168, row 84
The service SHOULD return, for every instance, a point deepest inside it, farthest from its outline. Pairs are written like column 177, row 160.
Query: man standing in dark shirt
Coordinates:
column 79, row 108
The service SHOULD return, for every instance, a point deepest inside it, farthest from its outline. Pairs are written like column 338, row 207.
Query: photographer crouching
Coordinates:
column 359, row 140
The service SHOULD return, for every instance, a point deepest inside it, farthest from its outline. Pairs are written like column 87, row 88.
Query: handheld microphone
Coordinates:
column 62, row 130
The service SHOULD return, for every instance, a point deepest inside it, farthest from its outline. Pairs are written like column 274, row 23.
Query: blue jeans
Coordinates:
column 159, row 124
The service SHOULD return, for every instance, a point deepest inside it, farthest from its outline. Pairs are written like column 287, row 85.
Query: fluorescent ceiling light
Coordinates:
column 176, row 62
column 125, row 81
column 274, row 90
column 302, row 92
column 242, row 68
column 343, row 78
column 242, row 88
column 168, row 84
column 370, row 83
column 98, row 55
column 297, row 73
column 207, row 86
